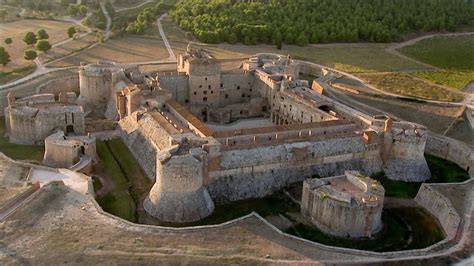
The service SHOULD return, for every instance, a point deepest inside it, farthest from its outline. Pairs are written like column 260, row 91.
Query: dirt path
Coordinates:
column 172, row 57
column 108, row 21
column 133, row 7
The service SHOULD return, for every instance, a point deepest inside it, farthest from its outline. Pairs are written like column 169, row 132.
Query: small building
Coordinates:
column 72, row 152
column 349, row 205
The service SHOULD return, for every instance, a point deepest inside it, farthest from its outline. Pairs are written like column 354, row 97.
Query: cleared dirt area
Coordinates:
column 16, row 30
column 121, row 49
column 68, row 48
column 63, row 226
column 61, row 223
column 10, row 183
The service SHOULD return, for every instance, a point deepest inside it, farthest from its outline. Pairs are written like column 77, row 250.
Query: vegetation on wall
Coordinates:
column 307, row 21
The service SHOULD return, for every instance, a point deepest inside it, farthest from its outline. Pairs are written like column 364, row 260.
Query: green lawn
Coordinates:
column 394, row 236
column 130, row 184
column 442, row 171
column 19, row 152
column 455, row 54
column 118, row 201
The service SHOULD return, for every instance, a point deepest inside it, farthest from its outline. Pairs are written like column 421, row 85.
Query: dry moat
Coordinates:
column 121, row 187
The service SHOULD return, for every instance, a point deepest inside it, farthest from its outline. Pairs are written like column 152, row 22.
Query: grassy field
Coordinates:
column 16, row 30
column 455, row 54
column 354, row 58
column 400, row 224
column 130, row 184
column 19, row 152
column 125, row 49
column 118, row 201
column 453, row 79
column 405, row 84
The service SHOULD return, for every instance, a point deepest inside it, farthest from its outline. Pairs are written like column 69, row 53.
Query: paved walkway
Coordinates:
column 70, row 178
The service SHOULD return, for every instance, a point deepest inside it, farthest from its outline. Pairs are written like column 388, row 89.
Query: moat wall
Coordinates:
column 440, row 207
column 451, row 150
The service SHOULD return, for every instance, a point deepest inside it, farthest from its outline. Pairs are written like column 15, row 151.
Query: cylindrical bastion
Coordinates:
column 348, row 206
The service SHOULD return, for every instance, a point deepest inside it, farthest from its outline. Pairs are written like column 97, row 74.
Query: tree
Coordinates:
column 42, row 34
column 232, row 38
column 8, row 41
column 30, row 38
column 4, row 56
column 30, row 55
column 302, row 40
column 99, row 37
column 278, row 40
column 83, row 10
column 3, row 13
column 43, row 45
column 71, row 31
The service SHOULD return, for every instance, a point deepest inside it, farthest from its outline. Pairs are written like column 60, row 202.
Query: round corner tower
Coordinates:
column 95, row 84
column 178, row 194
column 348, row 206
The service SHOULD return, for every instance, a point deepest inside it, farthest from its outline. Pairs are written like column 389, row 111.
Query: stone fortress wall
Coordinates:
column 30, row 120
column 349, row 205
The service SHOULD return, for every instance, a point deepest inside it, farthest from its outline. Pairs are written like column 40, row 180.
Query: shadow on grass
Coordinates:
column 404, row 228
column 442, row 171
column 19, row 152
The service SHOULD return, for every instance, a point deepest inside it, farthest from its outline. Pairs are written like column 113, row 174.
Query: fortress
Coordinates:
column 206, row 136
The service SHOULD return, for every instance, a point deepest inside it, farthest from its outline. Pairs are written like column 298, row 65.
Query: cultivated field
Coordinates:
column 121, row 49
column 455, row 54
column 404, row 84
column 16, row 30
